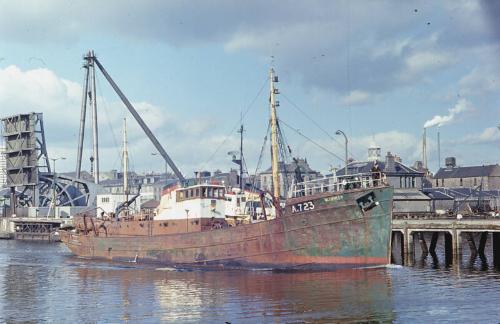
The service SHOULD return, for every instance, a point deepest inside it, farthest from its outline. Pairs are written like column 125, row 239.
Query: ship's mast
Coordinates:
column 95, row 135
column 274, row 133
column 125, row 159
column 241, row 156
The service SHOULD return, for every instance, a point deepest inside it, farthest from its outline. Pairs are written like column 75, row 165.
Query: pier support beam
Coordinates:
column 448, row 248
column 434, row 239
column 482, row 242
column 496, row 250
column 409, row 248
column 402, row 247
column 472, row 244
column 457, row 245
column 423, row 244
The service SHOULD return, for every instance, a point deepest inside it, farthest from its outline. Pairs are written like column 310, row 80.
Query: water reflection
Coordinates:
column 248, row 296
column 45, row 283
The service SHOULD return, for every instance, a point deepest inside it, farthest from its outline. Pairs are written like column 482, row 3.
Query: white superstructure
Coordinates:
column 193, row 202
column 108, row 203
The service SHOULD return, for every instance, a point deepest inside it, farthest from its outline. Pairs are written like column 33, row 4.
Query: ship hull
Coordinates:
column 322, row 232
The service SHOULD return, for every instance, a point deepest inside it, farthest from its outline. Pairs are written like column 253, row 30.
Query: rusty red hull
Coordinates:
column 321, row 232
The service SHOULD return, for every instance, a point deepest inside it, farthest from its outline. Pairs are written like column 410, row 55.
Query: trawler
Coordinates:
column 325, row 224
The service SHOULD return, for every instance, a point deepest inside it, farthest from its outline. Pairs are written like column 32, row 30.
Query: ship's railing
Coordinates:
column 337, row 183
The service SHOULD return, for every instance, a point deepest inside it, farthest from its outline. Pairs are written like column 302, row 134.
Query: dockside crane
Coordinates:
column 90, row 62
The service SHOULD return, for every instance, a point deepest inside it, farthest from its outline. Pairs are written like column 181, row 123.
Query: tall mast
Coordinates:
column 125, row 159
column 274, row 133
column 241, row 156
column 95, row 135
column 83, row 114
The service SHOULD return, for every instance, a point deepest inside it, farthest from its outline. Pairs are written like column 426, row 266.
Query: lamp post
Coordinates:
column 54, row 183
column 339, row 132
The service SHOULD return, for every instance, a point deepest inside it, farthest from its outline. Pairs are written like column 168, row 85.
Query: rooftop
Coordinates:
column 467, row 172
column 366, row 167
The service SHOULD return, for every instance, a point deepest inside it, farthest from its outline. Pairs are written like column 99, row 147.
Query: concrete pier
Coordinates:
column 454, row 231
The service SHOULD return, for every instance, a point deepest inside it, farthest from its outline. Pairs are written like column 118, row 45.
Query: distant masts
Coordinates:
column 125, row 159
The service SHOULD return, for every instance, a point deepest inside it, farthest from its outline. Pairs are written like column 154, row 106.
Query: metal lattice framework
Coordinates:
column 25, row 149
column 25, row 154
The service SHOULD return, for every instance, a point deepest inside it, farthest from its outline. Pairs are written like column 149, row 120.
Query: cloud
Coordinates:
column 438, row 120
column 401, row 143
column 329, row 45
column 480, row 80
column 356, row 97
column 424, row 61
column 189, row 143
column 487, row 136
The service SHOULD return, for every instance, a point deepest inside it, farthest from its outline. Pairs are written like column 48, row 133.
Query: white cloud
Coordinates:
column 356, row 97
column 400, row 143
column 191, row 144
column 487, row 136
column 438, row 120
column 424, row 61
column 480, row 80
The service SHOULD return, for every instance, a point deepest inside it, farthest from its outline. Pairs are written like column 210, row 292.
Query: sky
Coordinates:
column 380, row 71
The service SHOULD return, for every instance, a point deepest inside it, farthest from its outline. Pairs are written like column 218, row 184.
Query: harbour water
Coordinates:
column 45, row 283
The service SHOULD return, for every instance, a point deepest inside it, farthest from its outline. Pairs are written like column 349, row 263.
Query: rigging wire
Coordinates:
column 285, row 152
column 312, row 141
column 310, row 119
column 294, row 105
column 238, row 123
column 108, row 120
column 259, row 162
